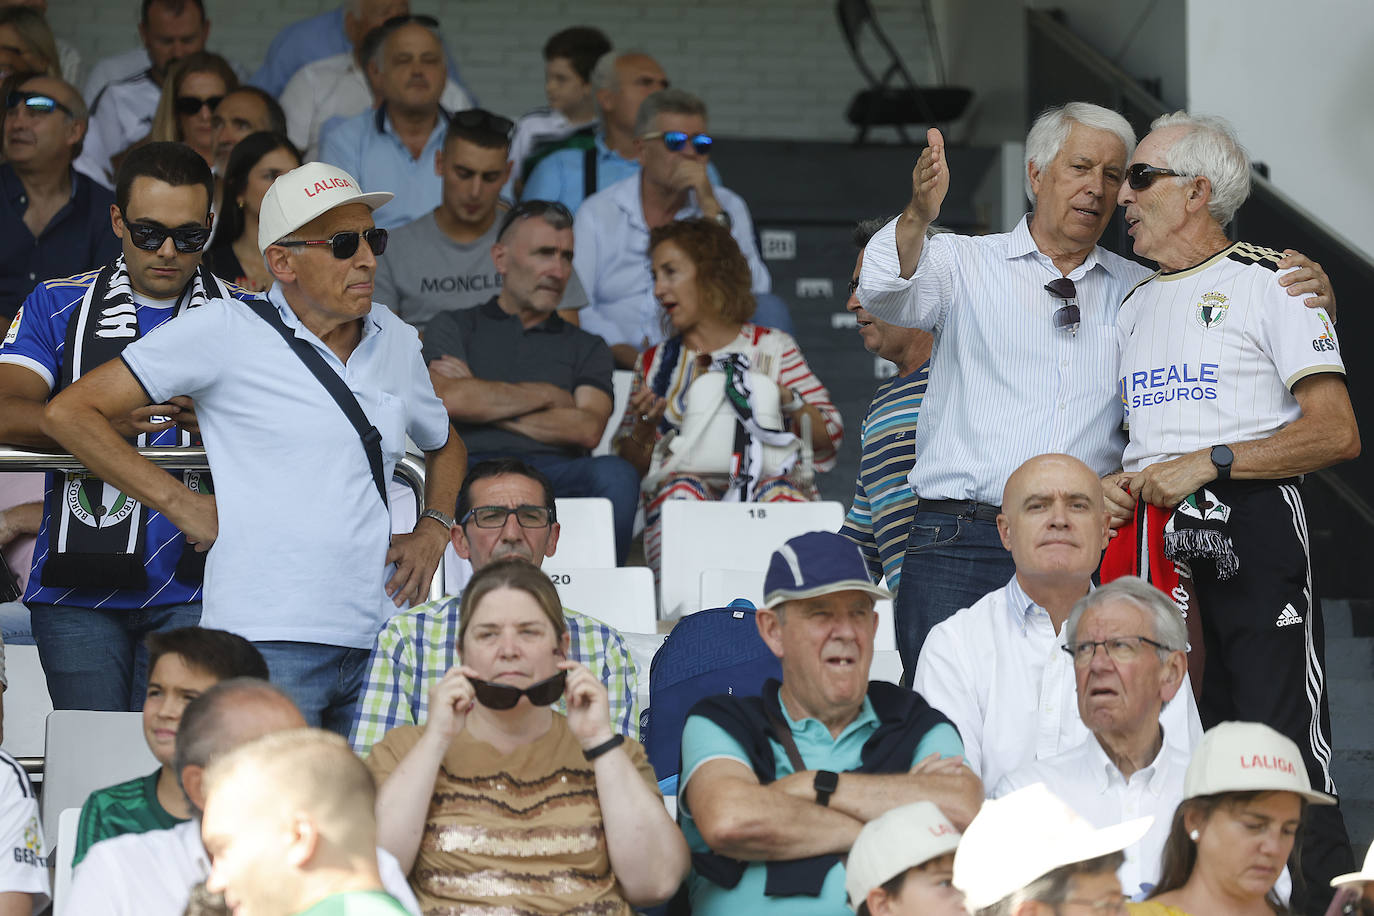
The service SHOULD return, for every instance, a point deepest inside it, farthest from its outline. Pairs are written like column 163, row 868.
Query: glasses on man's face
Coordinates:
column 1103, row 907
column 675, row 140
column 481, row 119
column 35, row 103
column 344, row 245
column 495, row 516
column 1140, row 176
column 533, row 208
column 505, row 696
column 1067, row 317
column 150, row 236
column 1121, row 649
column 188, row 105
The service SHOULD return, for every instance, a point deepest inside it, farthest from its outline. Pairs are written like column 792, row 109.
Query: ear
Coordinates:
column 193, row 781
column 1193, row 819
column 1033, row 173
column 604, row 99
column 552, row 546
column 1199, row 193
column 460, row 542
column 565, row 644
column 639, row 150
column 877, row 901
column 498, row 258
column 303, row 840
column 78, row 131
column 1004, row 530
column 1171, row 672
column 279, row 263
column 1106, row 529
column 770, row 629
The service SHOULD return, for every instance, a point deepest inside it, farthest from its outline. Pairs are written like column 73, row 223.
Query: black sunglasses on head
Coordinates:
column 344, row 245
column 504, row 696
column 187, row 105
column 35, row 103
column 532, row 208
column 1067, row 317
column 1140, row 176
column 150, row 236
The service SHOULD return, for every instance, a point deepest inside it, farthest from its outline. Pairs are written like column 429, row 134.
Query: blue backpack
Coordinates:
column 707, row 653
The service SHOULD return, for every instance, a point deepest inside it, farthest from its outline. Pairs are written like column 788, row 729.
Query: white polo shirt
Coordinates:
column 303, row 534
column 152, row 873
column 1090, row 783
column 998, row 672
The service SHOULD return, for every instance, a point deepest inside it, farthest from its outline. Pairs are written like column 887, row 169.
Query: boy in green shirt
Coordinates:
column 182, row 664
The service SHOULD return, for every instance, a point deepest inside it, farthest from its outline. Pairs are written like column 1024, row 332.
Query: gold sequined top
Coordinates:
column 512, row 835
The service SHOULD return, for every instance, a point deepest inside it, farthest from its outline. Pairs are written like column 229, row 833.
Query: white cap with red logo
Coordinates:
column 1248, row 757
column 300, row 195
column 894, row 842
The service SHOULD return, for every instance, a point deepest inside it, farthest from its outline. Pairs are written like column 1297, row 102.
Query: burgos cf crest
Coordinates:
column 1211, row 311
column 97, row 503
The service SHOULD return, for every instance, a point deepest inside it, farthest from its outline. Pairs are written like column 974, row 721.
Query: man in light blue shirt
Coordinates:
column 815, row 757
column 395, row 145
column 308, row 40
column 612, row 227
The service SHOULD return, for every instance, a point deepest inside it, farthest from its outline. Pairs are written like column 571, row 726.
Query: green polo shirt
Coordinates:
column 129, row 807
column 357, row 903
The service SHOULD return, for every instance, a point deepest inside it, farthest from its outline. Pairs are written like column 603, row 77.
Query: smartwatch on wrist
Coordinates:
column 1222, row 457
column 825, row 784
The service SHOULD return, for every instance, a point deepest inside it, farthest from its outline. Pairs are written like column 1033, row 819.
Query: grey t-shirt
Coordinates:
column 424, row 272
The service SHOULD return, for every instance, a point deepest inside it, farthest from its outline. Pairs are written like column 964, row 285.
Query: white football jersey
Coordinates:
column 1210, row 355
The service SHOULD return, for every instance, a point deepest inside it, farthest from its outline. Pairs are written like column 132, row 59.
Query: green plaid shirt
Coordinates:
column 416, row 647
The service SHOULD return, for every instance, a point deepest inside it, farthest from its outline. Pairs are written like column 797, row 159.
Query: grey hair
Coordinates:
column 1051, row 129
column 1053, row 888
column 1167, row 623
column 550, row 215
column 1209, row 148
column 383, row 35
column 604, row 74
column 667, row 101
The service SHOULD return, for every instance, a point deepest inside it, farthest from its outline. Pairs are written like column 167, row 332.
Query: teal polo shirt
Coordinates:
column 703, row 740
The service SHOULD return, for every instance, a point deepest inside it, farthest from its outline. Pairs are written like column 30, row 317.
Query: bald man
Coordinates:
column 997, row 669
column 307, row 847
column 152, row 874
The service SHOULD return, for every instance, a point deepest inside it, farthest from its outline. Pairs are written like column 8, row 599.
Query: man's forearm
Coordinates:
column 911, row 240
column 766, row 824
column 864, row 796
column 558, row 426
column 21, row 423
column 474, row 400
column 1301, row 447
column 445, row 469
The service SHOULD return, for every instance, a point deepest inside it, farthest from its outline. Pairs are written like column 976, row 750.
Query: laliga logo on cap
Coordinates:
column 1265, row 762
column 943, row 829
column 327, row 184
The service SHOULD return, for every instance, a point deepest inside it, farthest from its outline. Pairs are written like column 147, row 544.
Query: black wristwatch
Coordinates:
column 1222, row 456
column 825, row 784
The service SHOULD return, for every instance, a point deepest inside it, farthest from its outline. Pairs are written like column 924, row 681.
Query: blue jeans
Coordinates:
column 323, row 680
column 602, row 475
column 94, row 658
column 16, row 626
column 950, row 563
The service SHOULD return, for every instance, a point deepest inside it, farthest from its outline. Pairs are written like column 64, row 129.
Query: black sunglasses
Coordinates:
column 504, row 696
column 188, row 105
column 1067, row 317
column 1140, row 176
column 481, row 119
column 150, row 236
column 675, row 140
column 344, row 245
column 533, row 208
column 36, row 103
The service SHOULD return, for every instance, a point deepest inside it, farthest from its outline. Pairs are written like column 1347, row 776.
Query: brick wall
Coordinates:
column 766, row 68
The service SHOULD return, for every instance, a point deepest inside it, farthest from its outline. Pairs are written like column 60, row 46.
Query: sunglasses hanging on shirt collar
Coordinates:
column 504, row 696
column 1067, row 317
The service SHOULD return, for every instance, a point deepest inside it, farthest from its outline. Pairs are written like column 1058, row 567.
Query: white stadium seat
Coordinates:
column 65, row 843
column 716, row 535
column 587, row 535
column 27, row 703
column 622, row 598
column 86, row 751
column 621, row 379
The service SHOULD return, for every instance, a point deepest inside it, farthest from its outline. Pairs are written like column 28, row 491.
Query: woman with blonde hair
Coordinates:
column 193, row 88
column 27, row 44
column 499, row 804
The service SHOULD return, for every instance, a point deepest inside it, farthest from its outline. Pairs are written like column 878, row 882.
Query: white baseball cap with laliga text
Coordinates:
column 300, row 195
column 1248, row 757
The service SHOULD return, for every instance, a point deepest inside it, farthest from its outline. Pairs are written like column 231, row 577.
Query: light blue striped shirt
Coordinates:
column 1005, row 384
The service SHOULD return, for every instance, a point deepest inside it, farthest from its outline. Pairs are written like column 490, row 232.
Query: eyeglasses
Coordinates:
column 1067, row 317
column 1109, row 905
column 495, row 516
column 150, row 236
column 187, row 105
column 35, row 103
column 534, row 208
column 676, row 140
column 1119, row 649
column 504, row 696
column 481, row 119
column 344, row 245
column 1140, row 176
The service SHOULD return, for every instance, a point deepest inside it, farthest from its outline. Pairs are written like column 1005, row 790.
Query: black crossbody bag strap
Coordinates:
column 371, row 438
column 784, row 735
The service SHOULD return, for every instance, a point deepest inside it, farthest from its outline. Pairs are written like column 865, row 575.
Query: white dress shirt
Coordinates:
column 997, row 671
column 151, row 874
column 121, row 115
column 612, row 259
column 336, row 87
column 1091, row 784
column 1005, row 384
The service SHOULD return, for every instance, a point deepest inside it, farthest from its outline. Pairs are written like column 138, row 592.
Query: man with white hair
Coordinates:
column 1125, row 768
column 1025, row 358
column 1231, row 397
